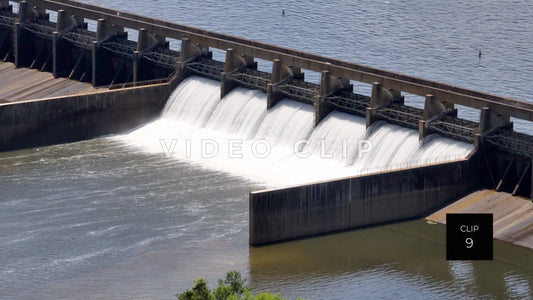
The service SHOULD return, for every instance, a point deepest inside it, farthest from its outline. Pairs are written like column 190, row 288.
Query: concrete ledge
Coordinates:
column 512, row 216
column 72, row 118
column 330, row 206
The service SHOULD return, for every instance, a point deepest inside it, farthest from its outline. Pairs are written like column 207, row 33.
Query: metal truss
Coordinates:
column 402, row 115
column 511, row 142
column 410, row 117
column 7, row 19
column 139, row 83
column 81, row 38
column 299, row 90
column 43, row 30
column 350, row 102
column 456, row 131
column 207, row 67
column 163, row 57
column 252, row 78
column 121, row 47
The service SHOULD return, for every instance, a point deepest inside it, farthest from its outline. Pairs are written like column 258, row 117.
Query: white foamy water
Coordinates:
column 280, row 146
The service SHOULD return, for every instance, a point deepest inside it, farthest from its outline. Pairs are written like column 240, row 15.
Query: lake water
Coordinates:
column 110, row 219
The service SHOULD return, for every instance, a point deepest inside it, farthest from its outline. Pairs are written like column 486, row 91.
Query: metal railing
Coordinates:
column 511, row 142
column 140, row 83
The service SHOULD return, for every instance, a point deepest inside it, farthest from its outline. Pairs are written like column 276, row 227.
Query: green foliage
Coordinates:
column 200, row 291
column 233, row 287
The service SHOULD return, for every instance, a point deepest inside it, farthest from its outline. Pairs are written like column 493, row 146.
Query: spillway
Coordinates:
column 280, row 146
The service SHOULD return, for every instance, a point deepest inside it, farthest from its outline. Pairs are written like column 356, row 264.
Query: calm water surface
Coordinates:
column 99, row 219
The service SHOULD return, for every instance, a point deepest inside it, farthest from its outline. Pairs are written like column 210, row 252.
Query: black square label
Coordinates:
column 469, row 236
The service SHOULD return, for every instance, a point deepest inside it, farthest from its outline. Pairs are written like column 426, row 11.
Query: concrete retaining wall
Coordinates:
column 325, row 207
column 78, row 117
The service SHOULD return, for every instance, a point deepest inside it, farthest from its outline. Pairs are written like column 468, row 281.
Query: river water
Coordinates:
column 111, row 218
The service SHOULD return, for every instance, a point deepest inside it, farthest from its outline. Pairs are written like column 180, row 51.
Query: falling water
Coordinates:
column 280, row 146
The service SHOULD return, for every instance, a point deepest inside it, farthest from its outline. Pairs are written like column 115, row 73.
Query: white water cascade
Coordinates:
column 280, row 146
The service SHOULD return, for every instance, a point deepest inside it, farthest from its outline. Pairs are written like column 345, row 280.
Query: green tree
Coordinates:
column 200, row 291
column 233, row 287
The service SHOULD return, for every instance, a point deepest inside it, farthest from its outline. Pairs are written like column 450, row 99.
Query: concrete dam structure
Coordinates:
column 134, row 76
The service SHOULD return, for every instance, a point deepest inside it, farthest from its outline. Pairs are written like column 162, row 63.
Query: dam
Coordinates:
column 133, row 78
column 132, row 182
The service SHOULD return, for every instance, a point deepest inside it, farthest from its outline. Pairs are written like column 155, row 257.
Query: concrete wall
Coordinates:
column 78, row 117
column 325, row 207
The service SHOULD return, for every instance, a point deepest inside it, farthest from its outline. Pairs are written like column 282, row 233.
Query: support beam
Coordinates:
column 320, row 104
column 517, row 186
column 63, row 21
column 144, row 42
column 95, row 66
column 161, row 40
column 380, row 98
column 434, row 110
column 79, row 21
column 279, row 72
column 59, row 49
column 105, row 31
column 23, row 9
column 101, row 71
column 101, row 30
column 500, row 183
column 531, row 187
column 17, row 44
column 18, row 37
column 38, row 12
column 431, row 109
column 231, row 64
column 142, row 39
column 56, row 57
column 397, row 96
column 188, row 53
column 234, row 62
column 489, row 121
column 328, row 85
column 136, row 65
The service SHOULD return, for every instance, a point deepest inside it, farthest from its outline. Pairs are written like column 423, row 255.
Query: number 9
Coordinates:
column 469, row 243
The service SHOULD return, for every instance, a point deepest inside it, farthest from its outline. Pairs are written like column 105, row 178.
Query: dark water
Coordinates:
column 99, row 219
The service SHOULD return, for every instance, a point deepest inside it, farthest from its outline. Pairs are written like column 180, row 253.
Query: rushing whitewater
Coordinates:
column 280, row 146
